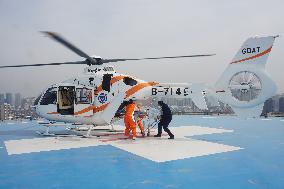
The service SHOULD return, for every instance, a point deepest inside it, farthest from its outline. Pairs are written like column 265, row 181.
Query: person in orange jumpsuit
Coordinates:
column 139, row 120
column 129, row 121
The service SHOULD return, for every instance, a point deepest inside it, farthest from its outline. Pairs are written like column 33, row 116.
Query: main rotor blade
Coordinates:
column 49, row 64
column 155, row 58
column 70, row 46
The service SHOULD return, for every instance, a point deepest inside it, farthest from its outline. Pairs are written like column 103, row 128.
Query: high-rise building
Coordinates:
column 2, row 98
column 9, row 98
column 275, row 100
column 281, row 104
column 268, row 106
column 17, row 100
column 5, row 111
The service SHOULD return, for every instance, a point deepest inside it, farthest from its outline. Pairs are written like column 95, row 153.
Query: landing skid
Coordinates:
column 45, row 134
column 85, row 131
column 52, row 124
column 56, row 134
column 98, row 132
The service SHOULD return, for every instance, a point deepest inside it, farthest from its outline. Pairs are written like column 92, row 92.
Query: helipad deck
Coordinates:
column 208, row 152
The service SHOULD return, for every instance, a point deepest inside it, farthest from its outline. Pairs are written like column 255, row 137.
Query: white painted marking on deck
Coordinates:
column 184, row 131
column 9, row 123
column 209, row 117
column 264, row 119
column 161, row 150
column 47, row 144
column 154, row 149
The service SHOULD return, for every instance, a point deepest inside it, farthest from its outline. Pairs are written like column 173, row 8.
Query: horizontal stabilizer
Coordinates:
column 198, row 96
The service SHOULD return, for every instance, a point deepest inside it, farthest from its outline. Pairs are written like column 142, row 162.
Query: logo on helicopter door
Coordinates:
column 102, row 98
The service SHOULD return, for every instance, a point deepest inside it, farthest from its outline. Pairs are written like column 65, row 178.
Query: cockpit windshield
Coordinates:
column 37, row 100
column 49, row 97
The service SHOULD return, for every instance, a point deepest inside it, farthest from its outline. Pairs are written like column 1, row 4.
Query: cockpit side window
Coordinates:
column 49, row 97
column 129, row 81
column 83, row 96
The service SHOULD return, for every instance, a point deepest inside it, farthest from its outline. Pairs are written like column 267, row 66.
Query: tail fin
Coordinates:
column 245, row 85
column 254, row 51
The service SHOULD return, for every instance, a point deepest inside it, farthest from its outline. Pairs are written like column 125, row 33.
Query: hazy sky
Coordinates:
column 133, row 29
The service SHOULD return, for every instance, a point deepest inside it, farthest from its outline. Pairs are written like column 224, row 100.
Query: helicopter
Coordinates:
column 95, row 96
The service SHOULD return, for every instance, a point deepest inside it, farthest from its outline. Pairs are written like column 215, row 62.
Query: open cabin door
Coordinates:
column 65, row 104
column 84, row 101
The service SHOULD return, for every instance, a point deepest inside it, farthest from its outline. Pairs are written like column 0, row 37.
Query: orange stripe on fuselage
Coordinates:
column 253, row 57
column 92, row 107
column 85, row 110
column 100, row 108
column 52, row 113
column 138, row 87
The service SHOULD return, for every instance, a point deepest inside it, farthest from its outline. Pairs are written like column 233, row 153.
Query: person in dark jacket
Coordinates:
column 165, row 120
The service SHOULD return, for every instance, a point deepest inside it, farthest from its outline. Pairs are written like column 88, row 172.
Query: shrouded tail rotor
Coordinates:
column 245, row 86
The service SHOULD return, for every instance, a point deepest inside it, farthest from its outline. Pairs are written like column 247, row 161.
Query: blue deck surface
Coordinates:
column 260, row 164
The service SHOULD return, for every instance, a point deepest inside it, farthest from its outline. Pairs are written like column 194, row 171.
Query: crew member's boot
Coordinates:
column 158, row 135
column 159, row 130
column 172, row 136
column 169, row 133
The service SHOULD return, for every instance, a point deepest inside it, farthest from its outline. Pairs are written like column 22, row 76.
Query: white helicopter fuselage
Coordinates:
column 82, row 99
